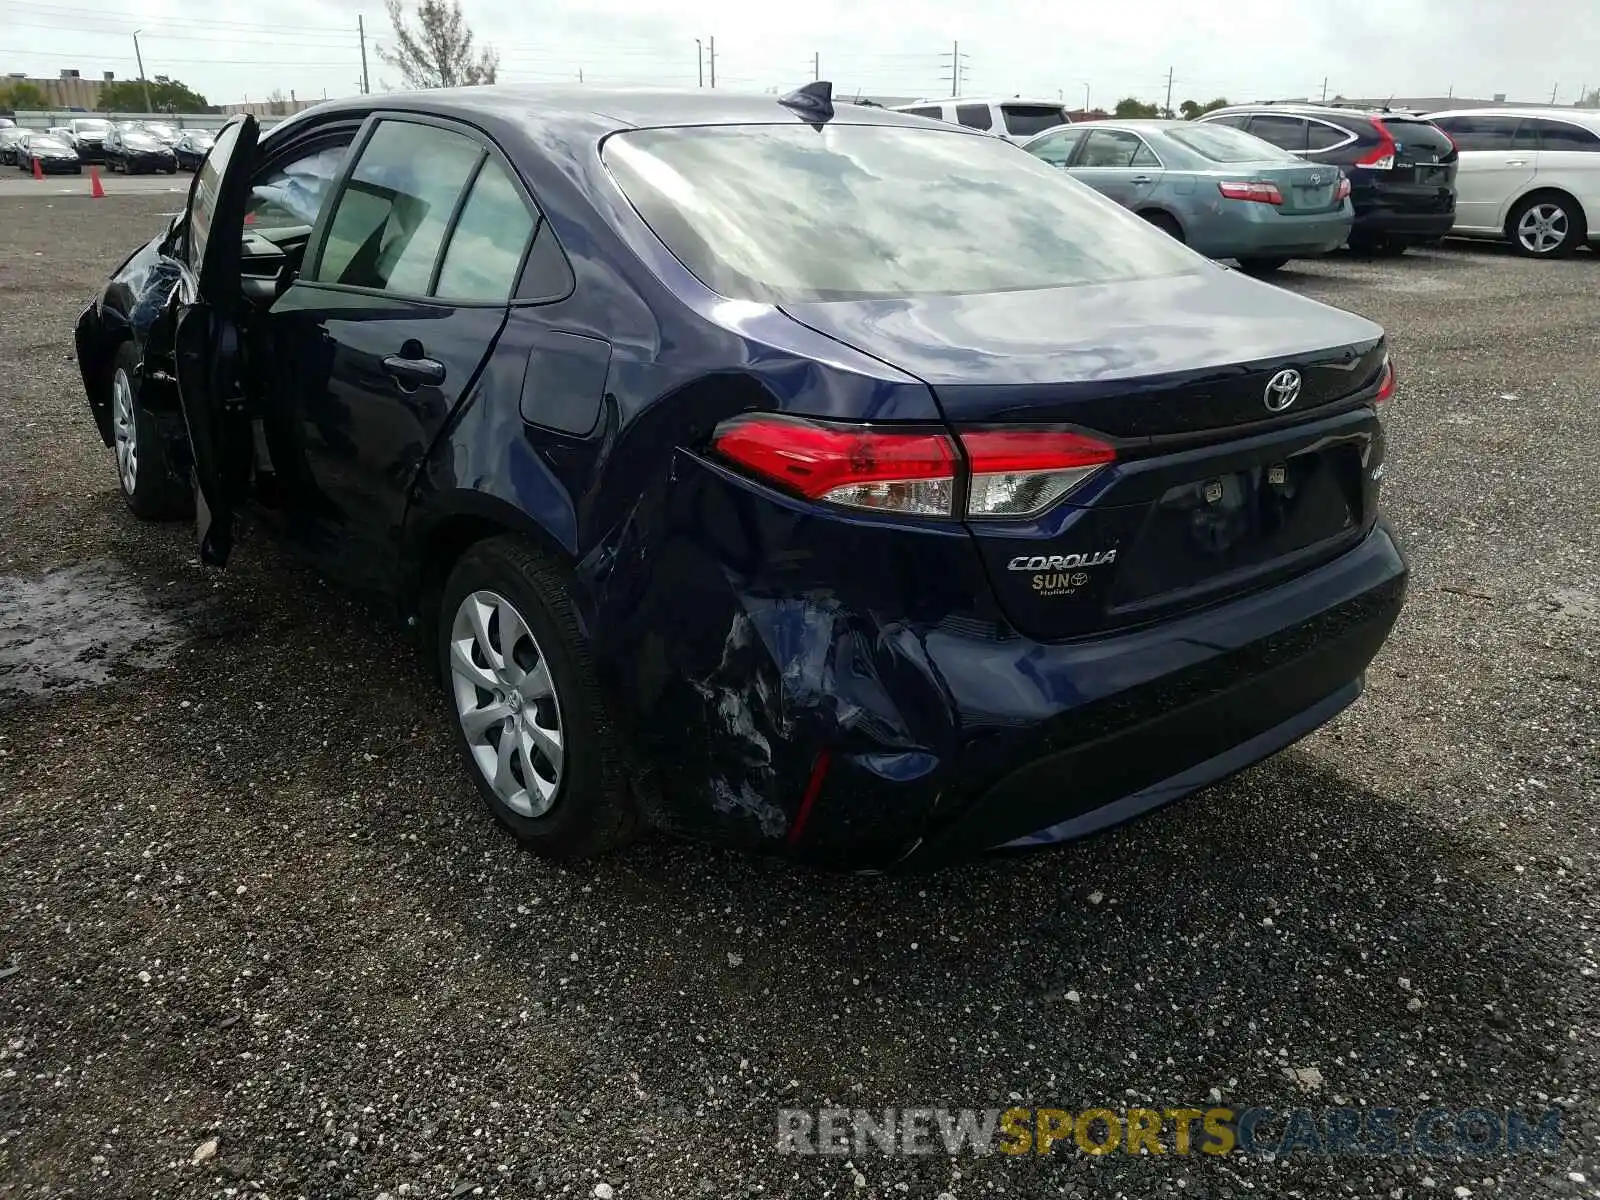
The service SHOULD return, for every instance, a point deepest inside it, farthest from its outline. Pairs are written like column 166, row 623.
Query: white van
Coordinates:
column 1012, row 118
column 1530, row 175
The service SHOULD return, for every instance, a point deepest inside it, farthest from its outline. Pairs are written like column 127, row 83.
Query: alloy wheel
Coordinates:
column 506, row 702
column 1543, row 228
column 125, row 430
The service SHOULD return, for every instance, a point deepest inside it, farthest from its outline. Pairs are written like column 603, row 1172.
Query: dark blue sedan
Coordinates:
column 821, row 480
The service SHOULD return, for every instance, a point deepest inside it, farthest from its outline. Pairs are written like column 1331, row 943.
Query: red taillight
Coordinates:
column 1018, row 472
column 1381, row 156
column 1386, row 382
column 911, row 472
column 1013, row 472
column 1261, row 192
column 1344, row 189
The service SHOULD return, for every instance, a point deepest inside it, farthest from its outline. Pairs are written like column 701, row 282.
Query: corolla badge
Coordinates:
column 1283, row 389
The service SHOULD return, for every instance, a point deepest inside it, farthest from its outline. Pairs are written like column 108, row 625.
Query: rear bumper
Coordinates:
column 1165, row 711
column 1261, row 231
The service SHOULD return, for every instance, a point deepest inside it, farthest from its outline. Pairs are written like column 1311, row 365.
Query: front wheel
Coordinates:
column 1166, row 224
column 150, row 487
column 1261, row 266
column 1547, row 226
column 529, row 717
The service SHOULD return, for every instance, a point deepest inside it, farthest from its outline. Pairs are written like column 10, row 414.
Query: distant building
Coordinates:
column 267, row 108
column 69, row 90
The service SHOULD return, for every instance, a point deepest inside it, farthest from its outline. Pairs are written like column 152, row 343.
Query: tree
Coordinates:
column 438, row 51
column 1189, row 110
column 21, row 94
column 166, row 95
column 1130, row 107
column 277, row 102
column 1592, row 100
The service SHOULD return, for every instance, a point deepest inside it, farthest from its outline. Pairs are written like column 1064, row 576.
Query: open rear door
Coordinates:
column 206, row 339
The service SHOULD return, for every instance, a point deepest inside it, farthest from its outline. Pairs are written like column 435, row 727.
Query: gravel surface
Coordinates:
column 269, row 944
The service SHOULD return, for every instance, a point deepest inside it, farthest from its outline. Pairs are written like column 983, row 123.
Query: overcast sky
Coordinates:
column 1245, row 49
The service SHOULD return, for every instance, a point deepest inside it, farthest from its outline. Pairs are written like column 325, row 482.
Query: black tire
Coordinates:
column 594, row 809
column 158, row 492
column 1260, row 267
column 1165, row 223
column 1571, row 218
column 172, row 170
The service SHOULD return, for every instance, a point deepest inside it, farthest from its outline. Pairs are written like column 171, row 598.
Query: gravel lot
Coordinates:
column 252, row 898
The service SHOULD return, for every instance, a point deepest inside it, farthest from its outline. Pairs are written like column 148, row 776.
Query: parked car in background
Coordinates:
column 878, row 524
column 88, row 137
column 130, row 149
column 1012, row 118
column 191, row 149
column 7, row 123
column 166, row 134
column 10, row 136
column 1221, row 191
column 53, row 155
column 1529, row 175
column 1402, row 167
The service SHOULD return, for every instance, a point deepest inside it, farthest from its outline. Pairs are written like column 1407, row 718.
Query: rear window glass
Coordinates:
column 1413, row 137
column 1322, row 136
column 1558, row 135
column 787, row 213
column 1223, row 144
column 1025, row 120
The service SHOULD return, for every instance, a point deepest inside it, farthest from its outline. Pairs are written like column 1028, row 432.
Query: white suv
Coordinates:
column 1530, row 175
column 1013, row 118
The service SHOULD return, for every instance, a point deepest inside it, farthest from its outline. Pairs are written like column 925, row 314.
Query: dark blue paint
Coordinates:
column 739, row 631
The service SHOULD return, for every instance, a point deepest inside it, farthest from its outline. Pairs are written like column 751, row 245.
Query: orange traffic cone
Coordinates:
column 38, row 172
column 95, row 188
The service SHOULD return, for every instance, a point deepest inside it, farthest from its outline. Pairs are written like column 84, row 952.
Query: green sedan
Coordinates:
column 1225, row 193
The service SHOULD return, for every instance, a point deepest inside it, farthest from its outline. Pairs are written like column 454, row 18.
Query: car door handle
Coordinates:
column 1141, row 179
column 1516, row 162
column 413, row 371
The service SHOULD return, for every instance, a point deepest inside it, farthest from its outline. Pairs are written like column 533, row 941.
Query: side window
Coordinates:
column 1287, row 133
column 1144, row 156
column 1110, row 148
column 1322, row 136
column 1526, row 138
column 1058, row 147
column 389, row 222
column 1236, row 120
column 974, row 116
column 1483, row 133
column 487, row 244
column 1558, row 135
column 931, row 111
column 291, row 193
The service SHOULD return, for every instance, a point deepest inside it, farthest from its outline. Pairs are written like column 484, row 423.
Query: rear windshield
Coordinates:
column 1224, row 144
column 789, row 213
column 1025, row 120
column 1412, row 135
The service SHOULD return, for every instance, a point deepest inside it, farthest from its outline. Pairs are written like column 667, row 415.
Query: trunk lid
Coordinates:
column 1305, row 187
column 1212, row 493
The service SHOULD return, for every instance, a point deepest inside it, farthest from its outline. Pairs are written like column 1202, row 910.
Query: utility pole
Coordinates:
column 361, row 32
column 1553, row 91
column 139, row 58
column 1169, row 92
column 1324, row 89
column 956, row 68
column 711, row 44
column 700, row 60
column 1085, row 95
column 816, row 65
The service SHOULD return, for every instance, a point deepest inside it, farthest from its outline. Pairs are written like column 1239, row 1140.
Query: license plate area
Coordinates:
column 1231, row 524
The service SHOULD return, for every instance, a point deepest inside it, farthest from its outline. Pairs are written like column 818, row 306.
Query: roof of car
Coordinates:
column 1299, row 109
column 1028, row 100
column 573, row 110
column 1582, row 116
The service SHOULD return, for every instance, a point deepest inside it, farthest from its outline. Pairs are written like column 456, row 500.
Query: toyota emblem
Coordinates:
column 1283, row 389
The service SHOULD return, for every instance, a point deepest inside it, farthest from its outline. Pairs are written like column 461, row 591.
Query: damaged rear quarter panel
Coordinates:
column 130, row 307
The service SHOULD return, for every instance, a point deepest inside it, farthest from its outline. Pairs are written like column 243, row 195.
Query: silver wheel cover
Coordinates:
column 506, row 702
column 124, row 430
column 1543, row 228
